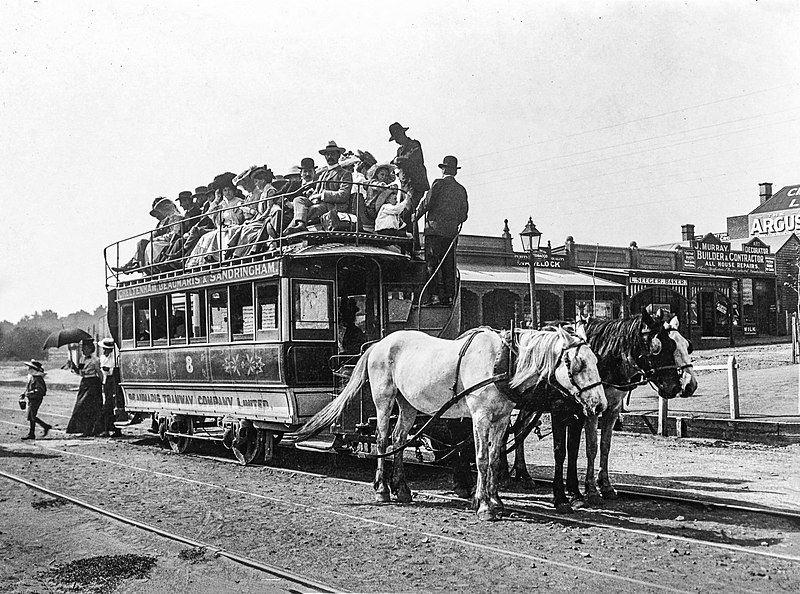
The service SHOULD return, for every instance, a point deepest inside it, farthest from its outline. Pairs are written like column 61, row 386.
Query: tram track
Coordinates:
column 520, row 511
column 278, row 572
column 640, row 585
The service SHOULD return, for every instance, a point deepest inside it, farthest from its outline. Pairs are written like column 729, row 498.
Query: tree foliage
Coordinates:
column 24, row 340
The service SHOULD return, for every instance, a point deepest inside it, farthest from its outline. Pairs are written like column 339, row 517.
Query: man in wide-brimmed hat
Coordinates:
column 411, row 150
column 332, row 193
column 446, row 208
column 34, row 393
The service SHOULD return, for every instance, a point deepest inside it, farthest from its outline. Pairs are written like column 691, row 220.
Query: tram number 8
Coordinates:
column 189, row 365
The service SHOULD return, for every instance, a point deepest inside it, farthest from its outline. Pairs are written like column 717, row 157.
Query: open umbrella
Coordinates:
column 67, row 336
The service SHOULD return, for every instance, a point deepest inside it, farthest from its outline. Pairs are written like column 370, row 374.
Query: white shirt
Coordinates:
column 389, row 215
column 109, row 361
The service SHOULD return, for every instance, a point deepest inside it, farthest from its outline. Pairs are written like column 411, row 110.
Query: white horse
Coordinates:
column 422, row 373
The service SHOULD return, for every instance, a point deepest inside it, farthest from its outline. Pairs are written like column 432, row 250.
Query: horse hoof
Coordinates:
column 610, row 494
column 487, row 515
column 462, row 492
column 404, row 497
column 577, row 503
column 564, row 508
column 594, row 499
column 382, row 497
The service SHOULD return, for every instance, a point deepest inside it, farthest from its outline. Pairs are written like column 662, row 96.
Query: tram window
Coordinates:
column 400, row 303
column 158, row 309
column 177, row 318
column 267, row 311
column 126, row 322
column 196, row 316
column 242, row 323
column 312, row 317
column 218, row 315
column 142, row 327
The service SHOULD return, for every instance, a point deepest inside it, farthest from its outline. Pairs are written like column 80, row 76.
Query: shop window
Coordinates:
column 312, row 317
column 218, row 315
column 142, row 318
column 126, row 324
column 267, row 308
column 177, row 318
column 158, row 325
column 241, row 311
column 196, row 316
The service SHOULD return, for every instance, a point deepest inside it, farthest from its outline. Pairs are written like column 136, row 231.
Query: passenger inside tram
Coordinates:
column 351, row 337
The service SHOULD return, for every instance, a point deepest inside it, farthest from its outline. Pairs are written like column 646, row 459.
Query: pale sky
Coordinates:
column 610, row 122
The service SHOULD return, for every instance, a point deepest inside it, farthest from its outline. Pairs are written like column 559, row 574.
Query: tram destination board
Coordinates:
column 211, row 277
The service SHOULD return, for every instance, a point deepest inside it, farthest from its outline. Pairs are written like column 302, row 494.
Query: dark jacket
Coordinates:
column 36, row 387
column 446, row 206
column 412, row 153
column 335, row 186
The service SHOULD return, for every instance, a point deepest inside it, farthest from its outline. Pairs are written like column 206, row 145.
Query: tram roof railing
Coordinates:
column 165, row 265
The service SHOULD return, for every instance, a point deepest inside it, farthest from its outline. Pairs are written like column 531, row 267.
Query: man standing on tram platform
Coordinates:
column 411, row 150
column 446, row 208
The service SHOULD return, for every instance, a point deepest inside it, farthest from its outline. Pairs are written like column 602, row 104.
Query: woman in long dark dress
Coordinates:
column 87, row 416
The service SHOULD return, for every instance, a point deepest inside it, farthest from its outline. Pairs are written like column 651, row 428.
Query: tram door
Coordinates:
column 358, row 308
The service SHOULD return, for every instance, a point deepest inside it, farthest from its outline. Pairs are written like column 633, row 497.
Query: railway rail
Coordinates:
column 288, row 576
column 533, row 510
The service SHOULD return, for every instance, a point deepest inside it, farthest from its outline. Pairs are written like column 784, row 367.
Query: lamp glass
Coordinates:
column 530, row 236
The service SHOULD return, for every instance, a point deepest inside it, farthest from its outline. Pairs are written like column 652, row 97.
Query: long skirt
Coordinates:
column 87, row 416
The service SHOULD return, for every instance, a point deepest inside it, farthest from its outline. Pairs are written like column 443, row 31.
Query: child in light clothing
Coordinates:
column 389, row 220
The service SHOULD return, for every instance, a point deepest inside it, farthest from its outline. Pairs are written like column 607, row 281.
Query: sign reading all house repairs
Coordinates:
column 712, row 255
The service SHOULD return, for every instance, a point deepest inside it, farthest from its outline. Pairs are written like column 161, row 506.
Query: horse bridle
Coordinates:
column 565, row 360
column 676, row 367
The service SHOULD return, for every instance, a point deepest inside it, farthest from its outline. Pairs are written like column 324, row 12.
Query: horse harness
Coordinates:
column 504, row 365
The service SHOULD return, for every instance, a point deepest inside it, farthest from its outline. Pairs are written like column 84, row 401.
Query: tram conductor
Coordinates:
column 446, row 209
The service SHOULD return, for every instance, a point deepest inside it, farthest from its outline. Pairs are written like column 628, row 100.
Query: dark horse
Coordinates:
column 631, row 352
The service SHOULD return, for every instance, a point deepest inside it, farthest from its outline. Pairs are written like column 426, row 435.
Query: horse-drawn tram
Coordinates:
column 249, row 343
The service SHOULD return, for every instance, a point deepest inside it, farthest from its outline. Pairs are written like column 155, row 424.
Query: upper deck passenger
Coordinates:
column 148, row 251
column 332, row 193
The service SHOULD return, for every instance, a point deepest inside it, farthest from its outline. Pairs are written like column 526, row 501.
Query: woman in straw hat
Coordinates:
column 34, row 393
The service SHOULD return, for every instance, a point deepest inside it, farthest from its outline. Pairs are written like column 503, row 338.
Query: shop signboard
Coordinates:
column 712, row 255
column 540, row 260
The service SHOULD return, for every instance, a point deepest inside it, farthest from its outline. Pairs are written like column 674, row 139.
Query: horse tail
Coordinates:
column 328, row 415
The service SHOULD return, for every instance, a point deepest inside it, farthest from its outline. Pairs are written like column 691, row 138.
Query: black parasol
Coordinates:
column 67, row 336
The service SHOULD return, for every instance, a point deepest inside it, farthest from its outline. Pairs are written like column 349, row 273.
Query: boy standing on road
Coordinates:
column 35, row 392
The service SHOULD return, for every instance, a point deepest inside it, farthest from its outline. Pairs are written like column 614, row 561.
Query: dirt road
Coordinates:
column 325, row 525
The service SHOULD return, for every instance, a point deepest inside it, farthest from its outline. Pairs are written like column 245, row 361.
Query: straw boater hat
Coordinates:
column 35, row 365
column 332, row 148
column 107, row 343
column 294, row 170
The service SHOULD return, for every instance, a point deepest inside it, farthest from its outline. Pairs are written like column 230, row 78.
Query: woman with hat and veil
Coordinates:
column 87, row 416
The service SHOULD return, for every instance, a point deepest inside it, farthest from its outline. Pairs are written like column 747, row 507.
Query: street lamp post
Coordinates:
column 531, row 237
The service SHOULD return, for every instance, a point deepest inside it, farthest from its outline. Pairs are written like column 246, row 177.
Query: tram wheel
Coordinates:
column 253, row 447
column 180, row 445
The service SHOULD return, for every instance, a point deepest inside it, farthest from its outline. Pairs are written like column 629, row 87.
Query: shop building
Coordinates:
column 775, row 223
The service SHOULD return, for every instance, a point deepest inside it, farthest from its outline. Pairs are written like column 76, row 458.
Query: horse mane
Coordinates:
column 539, row 355
column 616, row 339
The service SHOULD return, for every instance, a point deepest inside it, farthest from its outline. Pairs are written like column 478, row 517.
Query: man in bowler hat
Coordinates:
column 446, row 208
column 410, row 150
